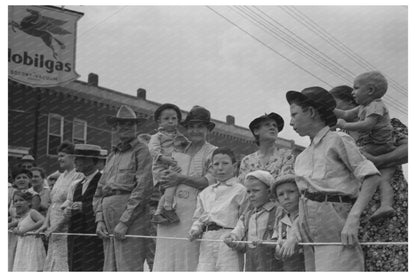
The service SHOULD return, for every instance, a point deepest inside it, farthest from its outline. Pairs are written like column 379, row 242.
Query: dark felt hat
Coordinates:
column 124, row 113
column 316, row 97
column 165, row 107
column 199, row 114
column 274, row 116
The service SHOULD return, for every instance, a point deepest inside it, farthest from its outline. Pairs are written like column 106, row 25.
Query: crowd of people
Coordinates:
column 179, row 203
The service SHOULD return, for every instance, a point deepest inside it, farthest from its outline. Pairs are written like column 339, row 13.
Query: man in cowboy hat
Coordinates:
column 123, row 193
column 336, row 183
column 84, row 253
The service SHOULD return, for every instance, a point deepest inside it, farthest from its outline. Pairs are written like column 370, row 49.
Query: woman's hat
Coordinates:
column 124, row 113
column 274, row 116
column 199, row 114
column 288, row 178
column 166, row 107
column 87, row 151
column 319, row 98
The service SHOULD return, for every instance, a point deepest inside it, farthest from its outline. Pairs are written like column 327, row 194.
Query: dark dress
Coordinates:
column 388, row 257
column 85, row 253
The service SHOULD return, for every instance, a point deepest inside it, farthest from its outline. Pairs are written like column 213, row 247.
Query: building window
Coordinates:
column 55, row 132
column 79, row 131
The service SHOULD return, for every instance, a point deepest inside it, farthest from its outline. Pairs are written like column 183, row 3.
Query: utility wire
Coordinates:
column 288, row 41
column 102, row 21
column 267, row 46
column 340, row 46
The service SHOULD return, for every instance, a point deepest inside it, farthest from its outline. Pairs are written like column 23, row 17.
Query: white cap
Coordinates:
column 263, row 176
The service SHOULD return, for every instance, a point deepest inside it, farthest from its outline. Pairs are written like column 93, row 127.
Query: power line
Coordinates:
column 105, row 19
column 288, row 40
column 389, row 99
column 325, row 64
column 267, row 46
column 340, row 46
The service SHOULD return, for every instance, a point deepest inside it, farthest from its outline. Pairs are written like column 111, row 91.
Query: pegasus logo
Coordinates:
column 43, row 27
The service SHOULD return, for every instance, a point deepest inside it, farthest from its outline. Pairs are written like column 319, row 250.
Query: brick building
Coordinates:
column 41, row 118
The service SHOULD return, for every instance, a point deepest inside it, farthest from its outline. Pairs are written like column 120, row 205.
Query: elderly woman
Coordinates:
column 57, row 257
column 384, row 257
column 180, row 255
column 269, row 157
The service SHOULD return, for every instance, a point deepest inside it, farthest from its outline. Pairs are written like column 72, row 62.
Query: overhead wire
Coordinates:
column 336, row 43
column 267, row 46
column 288, row 39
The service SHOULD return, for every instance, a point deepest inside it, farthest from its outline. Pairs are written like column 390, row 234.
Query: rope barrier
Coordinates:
column 217, row 240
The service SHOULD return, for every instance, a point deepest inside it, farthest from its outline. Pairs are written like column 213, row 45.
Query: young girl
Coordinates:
column 30, row 252
column 375, row 130
column 166, row 147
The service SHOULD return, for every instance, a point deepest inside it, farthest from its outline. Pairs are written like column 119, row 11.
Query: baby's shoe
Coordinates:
column 159, row 219
column 171, row 216
column 382, row 213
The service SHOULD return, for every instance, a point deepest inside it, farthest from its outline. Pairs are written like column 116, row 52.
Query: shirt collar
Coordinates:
column 228, row 182
column 319, row 136
column 268, row 206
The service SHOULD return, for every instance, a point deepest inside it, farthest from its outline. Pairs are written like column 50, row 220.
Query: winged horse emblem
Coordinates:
column 44, row 27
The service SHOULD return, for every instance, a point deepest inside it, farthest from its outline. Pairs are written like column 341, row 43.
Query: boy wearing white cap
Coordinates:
column 257, row 224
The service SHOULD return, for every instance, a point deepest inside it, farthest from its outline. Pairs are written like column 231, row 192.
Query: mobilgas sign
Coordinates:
column 42, row 44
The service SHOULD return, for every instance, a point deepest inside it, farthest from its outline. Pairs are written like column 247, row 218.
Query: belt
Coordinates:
column 321, row 197
column 212, row 226
column 115, row 192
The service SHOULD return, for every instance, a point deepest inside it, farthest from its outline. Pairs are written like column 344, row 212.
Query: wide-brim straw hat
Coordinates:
column 87, row 151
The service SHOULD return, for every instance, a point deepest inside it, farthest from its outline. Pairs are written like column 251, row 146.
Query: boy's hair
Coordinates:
column 66, row 147
column 344, row 93
column 376, row 79
column 225, row 151
column 288, row 178
column 27, row 196
column 41, row 171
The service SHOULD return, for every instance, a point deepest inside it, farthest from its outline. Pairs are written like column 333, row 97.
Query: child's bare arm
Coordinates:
column 37, row 218
column 348, row 115
column 367, row 124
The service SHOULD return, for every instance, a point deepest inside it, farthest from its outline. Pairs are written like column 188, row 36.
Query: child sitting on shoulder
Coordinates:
column 166, row 147
column 375, row 130
column 287, row 194
column 257, row 224
column 218, row 208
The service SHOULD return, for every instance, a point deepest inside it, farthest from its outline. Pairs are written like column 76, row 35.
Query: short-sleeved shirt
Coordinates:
column 280, row 163
column 222, row 203
column 332, row 163
column 382, row 131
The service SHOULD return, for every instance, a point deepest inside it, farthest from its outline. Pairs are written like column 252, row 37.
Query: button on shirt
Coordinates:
column 128, row 168
column 332, row 163
column 222, row 203
column 256, row 225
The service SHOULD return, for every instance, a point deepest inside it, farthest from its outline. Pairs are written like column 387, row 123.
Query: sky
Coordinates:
column 241, row 60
